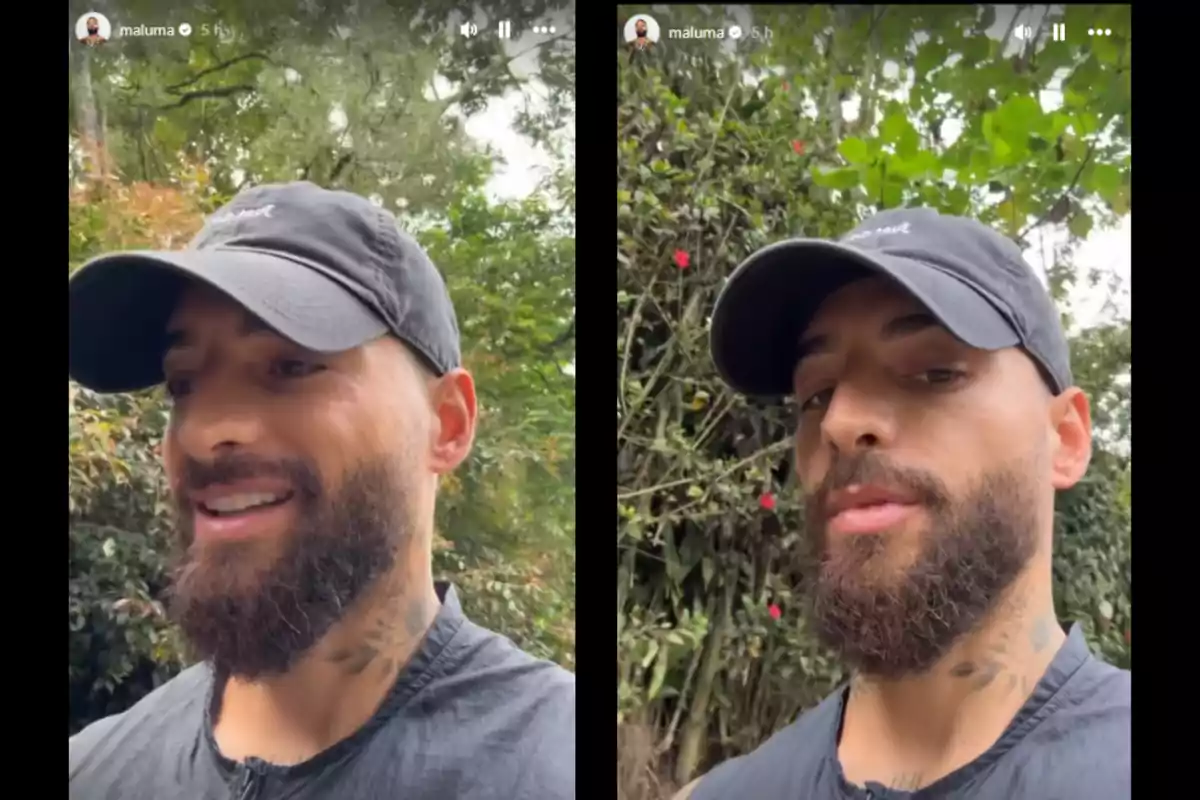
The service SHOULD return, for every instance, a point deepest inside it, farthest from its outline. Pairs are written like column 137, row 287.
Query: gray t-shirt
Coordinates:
column 1070, row 741
column 470, row 717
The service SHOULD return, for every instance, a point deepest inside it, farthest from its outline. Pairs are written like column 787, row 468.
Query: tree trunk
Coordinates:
column 869, row 78
column 842, row 19
column 695, row 730
column 87, row 117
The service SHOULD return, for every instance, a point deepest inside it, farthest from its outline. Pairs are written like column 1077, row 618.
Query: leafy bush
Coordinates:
column 120, row 643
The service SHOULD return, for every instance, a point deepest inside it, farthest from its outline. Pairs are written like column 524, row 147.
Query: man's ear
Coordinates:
column 452, row 398
column 1071, row 421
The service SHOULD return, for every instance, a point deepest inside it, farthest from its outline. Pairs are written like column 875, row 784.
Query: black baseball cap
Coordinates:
column 970, row 277
column 326, row 269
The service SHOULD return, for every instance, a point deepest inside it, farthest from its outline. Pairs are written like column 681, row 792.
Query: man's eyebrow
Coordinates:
column 897, row 328
column 813, row 345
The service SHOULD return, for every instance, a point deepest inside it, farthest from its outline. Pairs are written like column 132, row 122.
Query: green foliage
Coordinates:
column 724, row 147
column 181, row 126
column 339, row 94
column 120, row 643
column 511, row 274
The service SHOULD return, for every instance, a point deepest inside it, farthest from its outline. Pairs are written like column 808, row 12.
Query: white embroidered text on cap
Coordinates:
column 901, row 228
column 230, row 216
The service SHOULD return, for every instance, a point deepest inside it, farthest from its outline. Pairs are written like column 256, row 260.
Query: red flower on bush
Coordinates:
column 798, row 147
column 787, row 87
column 767, row 501
column 682, row 259
column 774, row 611
column 1127, row 635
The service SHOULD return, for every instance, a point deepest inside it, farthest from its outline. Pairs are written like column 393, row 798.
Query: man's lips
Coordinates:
column 241, row 509
column 868, row 509
column 218, row 493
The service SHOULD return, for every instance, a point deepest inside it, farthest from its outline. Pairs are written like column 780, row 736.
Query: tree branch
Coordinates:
column 200, row 94
column 875, row 20
column 479, row 77
column 341, row 165
column 567, row 335
column 1012, row 24
column 175, row 88
column 1120, row 66
column 1066, row 193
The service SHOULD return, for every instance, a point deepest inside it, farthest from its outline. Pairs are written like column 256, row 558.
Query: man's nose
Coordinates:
column 216, row 418
column 858, row 419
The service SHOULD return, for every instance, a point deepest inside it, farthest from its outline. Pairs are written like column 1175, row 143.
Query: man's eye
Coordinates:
column 295, row 368
column 941, row 376
column 177, row 387
column 817, row 401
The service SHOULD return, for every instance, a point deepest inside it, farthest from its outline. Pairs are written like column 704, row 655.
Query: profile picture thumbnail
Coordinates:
column 93, row 28
column 641, row 31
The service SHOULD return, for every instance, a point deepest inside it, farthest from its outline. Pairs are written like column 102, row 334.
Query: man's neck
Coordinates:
column 338, row 686
column 926, row 726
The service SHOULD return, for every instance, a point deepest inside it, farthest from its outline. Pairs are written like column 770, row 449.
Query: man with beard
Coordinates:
column 93, row 36
column 642, row 41
column 937, row 418
column 311, row 354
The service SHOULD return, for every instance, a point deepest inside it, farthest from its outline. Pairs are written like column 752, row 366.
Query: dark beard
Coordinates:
column 259, row 621
column 890, row 625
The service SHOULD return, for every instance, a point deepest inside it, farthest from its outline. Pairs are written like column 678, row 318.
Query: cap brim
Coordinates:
column 771, row 297
column 120, row 305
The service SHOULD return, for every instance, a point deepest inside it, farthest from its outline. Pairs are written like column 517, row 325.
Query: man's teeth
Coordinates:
column 233, row 503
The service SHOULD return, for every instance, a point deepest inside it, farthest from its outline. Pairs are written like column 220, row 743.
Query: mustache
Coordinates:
column 870, row 467
column 196, row 475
